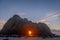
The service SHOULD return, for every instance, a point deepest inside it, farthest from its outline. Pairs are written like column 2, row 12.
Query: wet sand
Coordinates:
column 28, row 38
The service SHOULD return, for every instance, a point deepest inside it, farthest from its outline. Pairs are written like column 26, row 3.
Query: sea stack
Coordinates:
column 17, row 25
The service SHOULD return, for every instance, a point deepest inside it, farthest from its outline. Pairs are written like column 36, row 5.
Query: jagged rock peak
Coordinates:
column 16, row 16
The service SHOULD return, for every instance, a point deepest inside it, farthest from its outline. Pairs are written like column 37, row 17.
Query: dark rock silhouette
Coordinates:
column 19, row 26
column 11, row 25
column 44, row 30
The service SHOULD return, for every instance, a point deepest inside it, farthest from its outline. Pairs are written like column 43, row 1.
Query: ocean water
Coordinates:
column 28, row 38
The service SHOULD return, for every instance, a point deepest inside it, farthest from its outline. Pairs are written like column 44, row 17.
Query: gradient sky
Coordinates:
column 47, row 11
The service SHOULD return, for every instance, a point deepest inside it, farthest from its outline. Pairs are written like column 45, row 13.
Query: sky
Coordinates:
column 47, row 11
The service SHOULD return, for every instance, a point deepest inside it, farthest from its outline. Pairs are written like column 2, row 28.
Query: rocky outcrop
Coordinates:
column 44, row 30
column 11, row 25
column 19, row 26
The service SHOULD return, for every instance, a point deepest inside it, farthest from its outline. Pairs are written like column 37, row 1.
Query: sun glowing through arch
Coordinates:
column 30, row 33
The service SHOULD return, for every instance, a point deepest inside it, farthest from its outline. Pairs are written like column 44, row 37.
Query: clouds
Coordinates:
column 2, row 22
column 51, row 19
column 50, row 16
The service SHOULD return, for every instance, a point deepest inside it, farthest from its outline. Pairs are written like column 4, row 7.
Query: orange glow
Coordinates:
column 30, row 33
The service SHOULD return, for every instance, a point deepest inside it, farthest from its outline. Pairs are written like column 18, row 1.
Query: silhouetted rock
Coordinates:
column 19, row 26
column 30, row 26
column 44, row 30
column 11, row 25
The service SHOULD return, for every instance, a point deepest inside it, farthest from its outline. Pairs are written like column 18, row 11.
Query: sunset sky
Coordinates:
column 47, row 11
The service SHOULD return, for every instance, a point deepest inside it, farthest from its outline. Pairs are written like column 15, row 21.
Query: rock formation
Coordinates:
column 44, row 30
column 11, row 25
column 19, row 26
